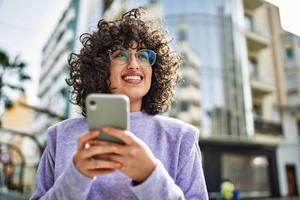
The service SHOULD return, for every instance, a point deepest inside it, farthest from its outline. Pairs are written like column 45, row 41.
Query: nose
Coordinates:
column 133, row 64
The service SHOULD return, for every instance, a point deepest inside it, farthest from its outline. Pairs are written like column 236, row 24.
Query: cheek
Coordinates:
column 149, row 75
column 115, row 73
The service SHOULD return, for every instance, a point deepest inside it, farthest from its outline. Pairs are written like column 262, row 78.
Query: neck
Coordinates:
column 135, row 105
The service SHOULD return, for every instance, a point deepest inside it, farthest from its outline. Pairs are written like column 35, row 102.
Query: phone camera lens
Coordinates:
column 92, row 103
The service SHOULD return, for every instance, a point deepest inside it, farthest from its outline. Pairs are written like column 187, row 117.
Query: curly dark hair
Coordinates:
column 89, row 70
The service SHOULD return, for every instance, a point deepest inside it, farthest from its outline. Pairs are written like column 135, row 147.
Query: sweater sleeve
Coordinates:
column 69, row 185
column 189, row 183
column 190, row 176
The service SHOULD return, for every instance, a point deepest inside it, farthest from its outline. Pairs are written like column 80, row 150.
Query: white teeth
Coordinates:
column 132, row 78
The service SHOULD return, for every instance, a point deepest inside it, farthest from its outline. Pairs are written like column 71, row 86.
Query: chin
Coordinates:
column 134, row 95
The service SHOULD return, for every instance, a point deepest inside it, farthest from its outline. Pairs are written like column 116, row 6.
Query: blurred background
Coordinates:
column 241, row 85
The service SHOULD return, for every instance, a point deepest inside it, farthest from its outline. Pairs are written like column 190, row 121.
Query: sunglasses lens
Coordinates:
column 147, row 56
column 120, row 56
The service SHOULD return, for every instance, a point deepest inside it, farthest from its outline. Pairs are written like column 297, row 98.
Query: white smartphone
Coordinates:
column 107, row 110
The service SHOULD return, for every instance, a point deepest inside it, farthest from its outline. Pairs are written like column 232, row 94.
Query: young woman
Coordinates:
column 160, row 159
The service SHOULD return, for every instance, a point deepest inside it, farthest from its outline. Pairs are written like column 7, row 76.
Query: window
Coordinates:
column 106, row 4
column 257, row 108
column 69, row 45
column 253, row 60
column 184, row 106
column 71, row 24
column 253, row 65
column 288, row 53
column 249, row 173
column 248, row 23
column 298, row 126
column 182, row 35
column 59, row 36
column 293, row 91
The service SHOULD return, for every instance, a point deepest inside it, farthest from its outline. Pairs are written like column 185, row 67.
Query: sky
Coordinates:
column 25, row 26
column 289, row 13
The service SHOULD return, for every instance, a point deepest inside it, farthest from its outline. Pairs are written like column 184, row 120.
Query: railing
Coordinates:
column 266, row 127
column 260, row 75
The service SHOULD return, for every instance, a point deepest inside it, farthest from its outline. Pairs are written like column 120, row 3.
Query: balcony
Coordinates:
column 256, row 41
column 252, row 4
column 260, row 88
column 267, row 127
column 262, row 82
column 257, row 38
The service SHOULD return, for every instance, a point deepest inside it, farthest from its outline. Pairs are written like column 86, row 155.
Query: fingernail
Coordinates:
column 87, row 146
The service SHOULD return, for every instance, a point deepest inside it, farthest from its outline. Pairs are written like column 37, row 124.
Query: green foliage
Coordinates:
column 10, row 69
column 4, row 59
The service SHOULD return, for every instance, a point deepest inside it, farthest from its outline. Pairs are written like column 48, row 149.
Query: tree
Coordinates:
column 12, row 76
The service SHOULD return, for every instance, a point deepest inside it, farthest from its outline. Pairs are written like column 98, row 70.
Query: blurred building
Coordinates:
column 21, row 145
column 11, row 117
column 291, row 58
column 19, row 151
column 187, row 102
column 242, row 94
column 78, row 17
column 289, row 150
column 53, row 91
column 241, row 90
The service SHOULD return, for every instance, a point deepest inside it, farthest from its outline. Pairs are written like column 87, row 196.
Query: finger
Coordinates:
column 101, row 157
column 86, row 137
column 106, row 143
column 96, row 150
column 122, row 150
column 102, row 164
column 90, row 143
column 96, row 142
column 127, row 138
column 93, row 142
column 117, row 158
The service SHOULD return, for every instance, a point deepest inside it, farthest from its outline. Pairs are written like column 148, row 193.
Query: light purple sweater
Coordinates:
column 178, row 174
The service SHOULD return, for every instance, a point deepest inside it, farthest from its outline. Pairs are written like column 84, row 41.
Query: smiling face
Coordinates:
column 130, row 78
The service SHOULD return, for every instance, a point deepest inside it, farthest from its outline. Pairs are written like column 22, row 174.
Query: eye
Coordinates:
column 143, row 56
column 120, row 55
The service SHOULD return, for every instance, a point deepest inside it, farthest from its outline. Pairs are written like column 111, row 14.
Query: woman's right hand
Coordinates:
column 88, row 147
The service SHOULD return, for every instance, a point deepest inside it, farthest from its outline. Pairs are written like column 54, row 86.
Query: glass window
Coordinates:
column 249, row 173
column 248, row 23
column 292, row 91
column 59, row 36
column 289, row 53
column 182, row 35
column 184, row 106
column 298, row 125
column 257, row 108
column 106, row 4
column 253, row 65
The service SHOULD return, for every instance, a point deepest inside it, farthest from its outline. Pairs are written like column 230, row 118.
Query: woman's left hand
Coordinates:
column 136, row 158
